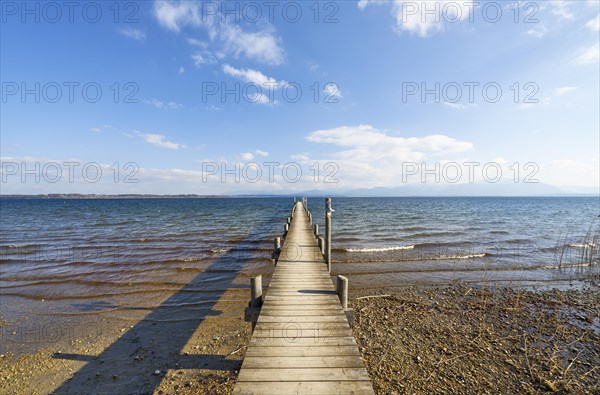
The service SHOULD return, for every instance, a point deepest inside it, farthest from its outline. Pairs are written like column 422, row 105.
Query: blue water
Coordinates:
column 78, row 249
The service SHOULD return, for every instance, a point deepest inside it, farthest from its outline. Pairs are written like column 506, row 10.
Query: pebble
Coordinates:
column 156, row 372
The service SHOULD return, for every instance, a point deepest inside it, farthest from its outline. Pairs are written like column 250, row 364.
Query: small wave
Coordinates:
column 586, row 245
column 430, row 234
column 8, row 246
column 468, row 256
column 220, row 250
column 380, row 249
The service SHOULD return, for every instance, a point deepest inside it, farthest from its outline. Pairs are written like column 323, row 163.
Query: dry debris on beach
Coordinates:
column 476, row 340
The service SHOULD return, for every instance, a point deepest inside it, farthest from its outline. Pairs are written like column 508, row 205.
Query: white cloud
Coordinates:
column 175, row 14
column 561, row 9
column 571, row 172
column 201, row 55
column 423, row 18
column 250, row 75
column 565, row 89
column 181, row 70
column 255, row 77
column 594, row 24
column 159, row 140
column 456, row 106
column 548, row 98
column 301, row 157
column 261, row 46
column 247, row 156
column 589, row 55
column 370, row 157
column 537, row 32
column 161, row 105
column 212, row 108
column 332, row 90
column 134, row 34
column 95, row 130
column 226, row 38
column 368, row 136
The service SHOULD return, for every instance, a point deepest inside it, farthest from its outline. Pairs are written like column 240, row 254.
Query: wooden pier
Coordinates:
column 302, row 342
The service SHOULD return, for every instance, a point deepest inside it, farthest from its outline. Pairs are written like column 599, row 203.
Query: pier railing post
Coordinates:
column 256, row 299
column 342, row 290
column 322, row 246
column 276, row 248
column 252, row 312
column 316, row 229
column 328, row 211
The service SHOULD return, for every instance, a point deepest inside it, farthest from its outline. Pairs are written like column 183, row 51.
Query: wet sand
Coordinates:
column 425, row 339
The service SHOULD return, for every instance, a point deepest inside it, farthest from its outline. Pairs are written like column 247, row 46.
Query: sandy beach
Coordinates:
column 458, row 339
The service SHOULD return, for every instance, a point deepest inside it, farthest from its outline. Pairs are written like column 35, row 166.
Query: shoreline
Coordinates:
column 425, row 327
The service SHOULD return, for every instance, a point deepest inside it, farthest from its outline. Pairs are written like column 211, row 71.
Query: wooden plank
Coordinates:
column 303, row 341
column 304, row 374
column 315, row 319
column 301, row 351
column 304, row 387
column 284, row 301
column 303, row 362
column 304, row 297
column 297, row 313
column 314, row 307
column 292, row 333
column 301, row 325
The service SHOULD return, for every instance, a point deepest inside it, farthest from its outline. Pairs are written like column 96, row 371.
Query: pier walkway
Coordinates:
column 302, row 342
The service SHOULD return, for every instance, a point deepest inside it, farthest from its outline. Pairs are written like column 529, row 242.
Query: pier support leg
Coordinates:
column 328, row 233
column 342, row 290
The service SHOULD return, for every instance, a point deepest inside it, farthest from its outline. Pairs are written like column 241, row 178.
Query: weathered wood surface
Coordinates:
column 302, row 343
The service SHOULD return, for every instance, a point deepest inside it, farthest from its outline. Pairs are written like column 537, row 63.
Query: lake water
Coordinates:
column 90, row 257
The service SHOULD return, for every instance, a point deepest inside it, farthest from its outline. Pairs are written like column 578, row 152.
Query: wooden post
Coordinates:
column 328, row 211
column 276, row 247
column 289, row 220
column 342, row 290
column 252, row 312
column 316, row 228
column 256, row 299
column 322, row 245
column 286, row 227
column 309, row 218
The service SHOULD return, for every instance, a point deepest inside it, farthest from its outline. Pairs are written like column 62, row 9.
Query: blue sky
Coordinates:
column 361, row 118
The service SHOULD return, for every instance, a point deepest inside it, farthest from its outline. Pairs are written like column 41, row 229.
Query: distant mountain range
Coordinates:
column 488, row 189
